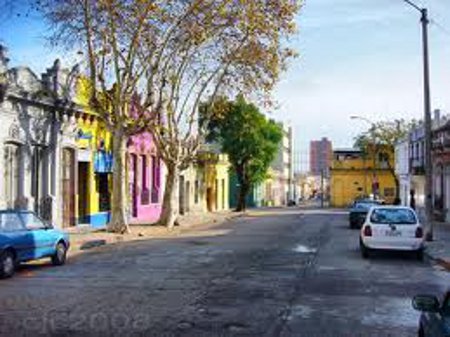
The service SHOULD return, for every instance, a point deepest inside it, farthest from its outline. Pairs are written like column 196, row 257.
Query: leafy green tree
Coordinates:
column 247, row 136
column 379, row 142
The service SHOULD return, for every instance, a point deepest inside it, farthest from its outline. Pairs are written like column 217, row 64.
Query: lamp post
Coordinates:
column 427, row 119
column 372, row 125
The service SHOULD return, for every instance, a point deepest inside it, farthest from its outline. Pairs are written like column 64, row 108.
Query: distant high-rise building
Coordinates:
column 320, row 156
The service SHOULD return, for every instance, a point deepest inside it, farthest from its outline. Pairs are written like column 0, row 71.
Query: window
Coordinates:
column 31, row 221
column 10, row 222
column 12, row 173
column 196, row 196
column 393, row 216
column 104, row 196
column 155, row 180
column 36, row 176
column 145, row 193
column 223, row 193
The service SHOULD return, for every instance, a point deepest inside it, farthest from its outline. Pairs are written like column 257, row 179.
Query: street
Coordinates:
column 274, row 272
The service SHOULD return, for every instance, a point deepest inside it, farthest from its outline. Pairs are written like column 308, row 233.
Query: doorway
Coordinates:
column 83, row 192
column 68, row 188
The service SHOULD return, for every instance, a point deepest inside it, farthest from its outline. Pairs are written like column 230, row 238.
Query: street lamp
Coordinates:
column 363, row 119
column 372, row 125
column 427, row 118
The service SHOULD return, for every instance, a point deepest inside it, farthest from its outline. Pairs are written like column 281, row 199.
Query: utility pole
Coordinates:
column 427, row 110
column 321, row 188
column 427, row 119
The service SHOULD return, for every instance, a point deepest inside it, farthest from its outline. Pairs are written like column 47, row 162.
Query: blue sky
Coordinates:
column 357, row 57
column 361, row 57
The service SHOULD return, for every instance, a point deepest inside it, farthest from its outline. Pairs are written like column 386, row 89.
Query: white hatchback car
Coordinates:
column 391, row 228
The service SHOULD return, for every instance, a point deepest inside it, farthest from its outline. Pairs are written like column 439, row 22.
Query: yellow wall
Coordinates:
column 92, row 131
column 352, row 178
column 217, row 169
column 347, row 185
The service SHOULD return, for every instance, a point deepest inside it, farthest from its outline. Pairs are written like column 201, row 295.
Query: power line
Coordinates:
column 439, row 26
column 432, row 21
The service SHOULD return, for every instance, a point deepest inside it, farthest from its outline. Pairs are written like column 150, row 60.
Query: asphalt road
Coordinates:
column 283, row 273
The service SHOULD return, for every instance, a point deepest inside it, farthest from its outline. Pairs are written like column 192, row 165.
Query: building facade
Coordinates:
column 320, row 157
column 205, row 185
column 282, row 169
column 145, row 179
column 441, row 169
column 354, row 175
column 402, row 164
column 38, row 141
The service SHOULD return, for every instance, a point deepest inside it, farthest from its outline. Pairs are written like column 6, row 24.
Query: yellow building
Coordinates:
column 217, row 183
column 93, row 166
column 354, row 175
column 204, row 185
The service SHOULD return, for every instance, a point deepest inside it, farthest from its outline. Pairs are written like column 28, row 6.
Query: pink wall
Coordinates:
column 144, row 178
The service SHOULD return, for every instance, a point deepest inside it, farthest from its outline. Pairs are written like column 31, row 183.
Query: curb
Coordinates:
column 90, row 244
column 443, row 262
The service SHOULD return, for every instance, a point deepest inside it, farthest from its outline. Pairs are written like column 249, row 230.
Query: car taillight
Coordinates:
column 367, row 231
column 419, row 232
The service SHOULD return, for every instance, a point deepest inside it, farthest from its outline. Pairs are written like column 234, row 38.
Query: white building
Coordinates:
column 283, row 168
column 402, row 170
column 33, row 129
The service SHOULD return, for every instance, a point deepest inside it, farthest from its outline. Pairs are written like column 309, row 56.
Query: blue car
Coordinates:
column 435, row 317
column 25, row 237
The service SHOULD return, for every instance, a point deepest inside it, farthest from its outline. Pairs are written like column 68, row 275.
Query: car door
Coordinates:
column 43, row 242
column 15, row 235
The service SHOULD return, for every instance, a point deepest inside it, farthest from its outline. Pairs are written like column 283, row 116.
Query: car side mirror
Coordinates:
column 426, row 303
column 48, row 225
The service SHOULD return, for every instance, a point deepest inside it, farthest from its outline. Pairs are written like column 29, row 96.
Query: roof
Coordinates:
column 347, row 150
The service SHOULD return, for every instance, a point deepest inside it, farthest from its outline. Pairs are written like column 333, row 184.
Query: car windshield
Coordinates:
column 364, row 205
column 393, row 216
column 10, row 222
column 32, row 222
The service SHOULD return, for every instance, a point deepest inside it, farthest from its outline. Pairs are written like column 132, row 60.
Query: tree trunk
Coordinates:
column 397, row 188
column 170, row 207
column 242, row 199
column 397, row 200
column 243, row 189
column 119, row 218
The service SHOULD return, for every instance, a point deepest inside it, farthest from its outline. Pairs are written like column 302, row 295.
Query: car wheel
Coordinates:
column 59, row 258
column 421, row 333
column 364, row 250
column 7, row 264
column 419, row 255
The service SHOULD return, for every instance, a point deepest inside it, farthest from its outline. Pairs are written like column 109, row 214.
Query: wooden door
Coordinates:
column 68, row 187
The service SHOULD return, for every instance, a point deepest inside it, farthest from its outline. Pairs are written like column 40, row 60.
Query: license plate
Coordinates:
column 393, row 233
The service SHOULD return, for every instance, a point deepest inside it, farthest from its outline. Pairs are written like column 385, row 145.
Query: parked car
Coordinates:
column 391, row 228
column 435, row 318
column 359, row 210
column 24, row 237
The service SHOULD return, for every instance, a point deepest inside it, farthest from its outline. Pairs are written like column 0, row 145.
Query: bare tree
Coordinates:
column 150, row 64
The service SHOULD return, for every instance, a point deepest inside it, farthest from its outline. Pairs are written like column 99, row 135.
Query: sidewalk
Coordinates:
column 439, row 249
column 82, row 239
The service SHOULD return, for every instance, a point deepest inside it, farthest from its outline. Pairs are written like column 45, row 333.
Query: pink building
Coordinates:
column 144, row 168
